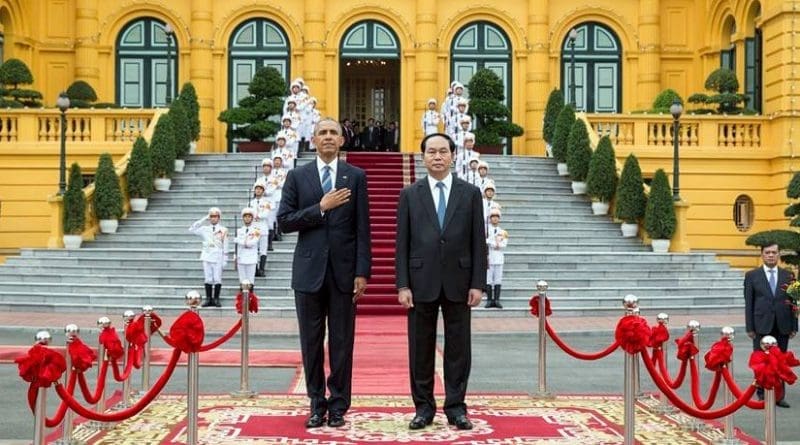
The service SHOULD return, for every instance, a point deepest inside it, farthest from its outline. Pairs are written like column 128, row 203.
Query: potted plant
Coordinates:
column 659, row 215
column 554, row 105
column 486, row 103
column 579, row 153
column 254, row 119
column 188, row 96
column 140, row 175
column 81, row 94
column 107, row 195
column 601, row 182
column 179, row 113
column 13, row 73
column 162, row 152
column 74, row 217
column 566, row 117
column 631, row 200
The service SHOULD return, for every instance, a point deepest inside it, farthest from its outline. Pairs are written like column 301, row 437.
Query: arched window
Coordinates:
column 595, row 58
column 142, row 74
column 727, row 53
column 253, row 44
column 753, row 61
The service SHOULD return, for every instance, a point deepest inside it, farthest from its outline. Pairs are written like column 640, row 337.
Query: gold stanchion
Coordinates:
column 127, row 318
column 730, row 435
column 71, row 332
column 244, row 391
column 40, row 409
column 631, row 305
column 542, row 393
column 770, row 430
column 193, row 374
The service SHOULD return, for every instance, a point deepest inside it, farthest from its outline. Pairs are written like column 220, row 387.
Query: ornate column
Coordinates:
column 426, row 75
column 201, row 73
column 649, row 78
column 86, row 33
column 537, row 77
column 314, row 56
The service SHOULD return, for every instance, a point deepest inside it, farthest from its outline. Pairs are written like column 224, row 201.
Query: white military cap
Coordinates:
column 299, row 80
column 431, row 100
column 295, row 84
column 483, row 164
column 286, row 117
column 214, row 211
column 266, row 161
column 474, row 157
column 495, row 211
column 291, row 99
column 458, row 85
column 469, row 136
column 280, row 135
column 490, row 185
column 462, row 101
column 313, row 99
column 465, row 118
column 248, row 211
column 260, row 183
column 454, row 83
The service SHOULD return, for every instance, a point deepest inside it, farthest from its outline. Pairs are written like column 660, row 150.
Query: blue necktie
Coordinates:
column 442, row 205
column 326, row 179
column 773, row 284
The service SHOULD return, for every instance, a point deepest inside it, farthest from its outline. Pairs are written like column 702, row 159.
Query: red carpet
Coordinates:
column 387, row 174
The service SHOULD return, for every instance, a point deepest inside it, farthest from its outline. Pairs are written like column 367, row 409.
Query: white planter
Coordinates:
column 578, row 187
column 109, row 225
column 179, row 164
column 138, row 204
column 193, row 147
column 562, row 169
column 629, row 230
column 72, row 241
column 600, row 208
column 162, row 184
column 660, row 245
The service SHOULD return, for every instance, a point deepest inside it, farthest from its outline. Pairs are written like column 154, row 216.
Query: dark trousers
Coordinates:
column 422, row 321
column 783, row 344
column 313, row 310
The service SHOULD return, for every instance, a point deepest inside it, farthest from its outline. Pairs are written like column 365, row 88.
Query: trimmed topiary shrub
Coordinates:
column 189, row 97
column 631, row 200
column 486, row 103
column 74, row 218
column 252, row 118
column 724, row 82
column 140, row 171
column 81, row 95
column 13, row 73
column 601, row 182
column 554, row 105
column 566, row 117
column 579, row 151
column 179, row 113
column 664, row 100
column 107, row 192
column 659, row 215
column 162, row 147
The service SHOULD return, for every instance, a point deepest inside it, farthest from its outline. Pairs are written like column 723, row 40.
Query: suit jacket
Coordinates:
column 762, row 309
column 341, row 235
column 427, row 260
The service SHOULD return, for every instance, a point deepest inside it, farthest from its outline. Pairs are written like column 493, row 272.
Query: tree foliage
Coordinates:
column 140, row 170
column 486, row 103
column 162, row 147
column 601, row 182
column 81, row 94
column 181, row 122
column 724, row 84
column 664, row 101
column 188, row 95
column 74, row 217
column 13, row 73
column 631, row 200
column 579, row 151
column 254, row 119
column 566, row 117
column 659, row 216
column 107, row 192
column 554, row 105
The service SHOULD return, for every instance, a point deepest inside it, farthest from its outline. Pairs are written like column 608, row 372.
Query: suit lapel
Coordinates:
column 453, row 202
column 425, row 197
column 343, row 175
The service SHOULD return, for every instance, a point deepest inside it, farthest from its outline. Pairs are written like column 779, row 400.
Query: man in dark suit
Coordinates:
column 349, row 135
column 326, row 202
column 370, row 136
column 440, row 263
column 390, row 137
column 766, row 311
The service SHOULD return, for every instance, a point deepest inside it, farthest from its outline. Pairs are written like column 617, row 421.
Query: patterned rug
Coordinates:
column 498, row 420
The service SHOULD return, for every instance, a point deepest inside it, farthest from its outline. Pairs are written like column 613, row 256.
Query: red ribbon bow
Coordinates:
column 719, row 355
column 633, row 334
column 41, row 367
column 81, row 355
column 772, row 368
column 534, row 303
column 686, row 347
column 187, row 332
column 660, row 336
column 110, row 340
column 134, row 333
column 252, row 303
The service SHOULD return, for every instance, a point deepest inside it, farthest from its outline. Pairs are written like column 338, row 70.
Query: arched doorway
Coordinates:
column 369, row 73
column 596, row 58
column 141, row 68
column 254, row 44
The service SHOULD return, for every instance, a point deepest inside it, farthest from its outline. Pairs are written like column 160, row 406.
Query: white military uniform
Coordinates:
column 496, row 241
column 263, row 207
column 430, row 120
column 214, row 253
column 247, row 239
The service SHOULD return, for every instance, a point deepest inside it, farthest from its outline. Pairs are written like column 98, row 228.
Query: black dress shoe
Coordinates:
column 315, row 420
column 783, row 404
column 419, row 422
column 335, row 420
column 461, row 422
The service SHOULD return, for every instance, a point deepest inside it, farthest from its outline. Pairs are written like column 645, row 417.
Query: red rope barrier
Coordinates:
column 712, row 396
column 51, row 422
column 228, row 335
column 101, row 384
column 737, row 392
column 121, row 377
column 674, row 384
column 129, row 412
column 683, row 406
column 578, row 354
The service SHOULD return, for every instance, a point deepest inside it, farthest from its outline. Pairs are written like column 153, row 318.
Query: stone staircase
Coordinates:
column 153, row 259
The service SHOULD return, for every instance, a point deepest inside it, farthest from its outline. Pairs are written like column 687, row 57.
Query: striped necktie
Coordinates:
column 326, row 179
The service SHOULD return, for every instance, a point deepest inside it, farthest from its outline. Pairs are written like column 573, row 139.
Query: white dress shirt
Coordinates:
column 320, row 170
column 448, row 184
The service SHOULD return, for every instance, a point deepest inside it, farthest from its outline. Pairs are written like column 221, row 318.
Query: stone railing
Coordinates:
column 653, row 131
column 36, row 126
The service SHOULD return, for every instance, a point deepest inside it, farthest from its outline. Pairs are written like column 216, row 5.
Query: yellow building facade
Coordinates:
column 377, row 59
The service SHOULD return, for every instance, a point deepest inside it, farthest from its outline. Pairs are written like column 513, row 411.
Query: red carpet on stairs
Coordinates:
column 387, row 174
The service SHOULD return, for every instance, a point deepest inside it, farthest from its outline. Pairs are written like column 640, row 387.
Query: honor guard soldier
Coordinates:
column 483, row 175
column 294, row 95
column 313, row 117
column 247, row 238
column 263, row 207
column 472, row 170
column 461, row 121
column 277, row 179
column 273, row 194
column 489, row 203
column 496, row 241
column 431, row 118
column 214, row 254
column 464, row 154
column 445, row 112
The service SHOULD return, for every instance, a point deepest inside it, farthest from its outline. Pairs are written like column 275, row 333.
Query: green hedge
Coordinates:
column 74, row 217
column 579, row 151
column 140, row 170
column 107, row 196
column 566, row 117
column 631, row 200
column 659, row 216
column 554, row 105
column 162, row 147
column 601, row 182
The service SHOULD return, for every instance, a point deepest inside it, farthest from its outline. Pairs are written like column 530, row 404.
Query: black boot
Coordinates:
column 209, row 299
column 497, row 297
column 262, row 266
column 217, row 290
column 270, row 237
column 277, row 233
column 489, row 298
